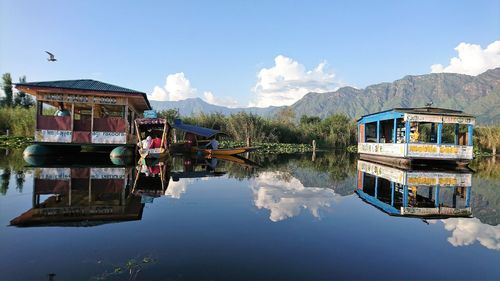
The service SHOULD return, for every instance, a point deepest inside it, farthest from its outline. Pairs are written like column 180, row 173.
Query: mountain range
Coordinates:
column 478, row 95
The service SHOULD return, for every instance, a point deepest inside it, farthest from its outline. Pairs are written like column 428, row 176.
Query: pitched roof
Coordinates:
column 84, row 84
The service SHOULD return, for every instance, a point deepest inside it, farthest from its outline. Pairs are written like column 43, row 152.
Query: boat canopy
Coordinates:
column 150, row 121
column 201, row 131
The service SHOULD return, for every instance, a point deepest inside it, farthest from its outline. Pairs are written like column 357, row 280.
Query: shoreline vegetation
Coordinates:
column 283, row 133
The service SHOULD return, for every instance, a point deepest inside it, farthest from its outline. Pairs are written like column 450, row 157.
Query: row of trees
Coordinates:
column 337, row 130
column 20, row 99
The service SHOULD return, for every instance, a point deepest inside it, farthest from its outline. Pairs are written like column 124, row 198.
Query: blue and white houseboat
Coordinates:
column 406, row 136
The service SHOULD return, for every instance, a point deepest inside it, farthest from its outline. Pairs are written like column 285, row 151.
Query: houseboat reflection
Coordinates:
column 81, row 197
column 418, row 193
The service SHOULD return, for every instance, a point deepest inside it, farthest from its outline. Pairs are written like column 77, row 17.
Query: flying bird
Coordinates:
column 429, row 104
column 51, row 56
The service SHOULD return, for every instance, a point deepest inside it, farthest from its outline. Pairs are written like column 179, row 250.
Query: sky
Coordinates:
column 246, row 53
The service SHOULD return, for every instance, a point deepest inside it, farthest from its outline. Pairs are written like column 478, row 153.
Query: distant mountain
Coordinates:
column 193, row 106
column 478, row 95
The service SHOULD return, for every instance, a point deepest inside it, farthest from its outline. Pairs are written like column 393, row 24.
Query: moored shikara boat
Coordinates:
column 153, row 136
column 407, row 136
column 193, row 143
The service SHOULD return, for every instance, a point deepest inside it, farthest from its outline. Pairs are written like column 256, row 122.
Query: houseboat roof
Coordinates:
column 81, row 86
column 201, row 131
column 423, row 110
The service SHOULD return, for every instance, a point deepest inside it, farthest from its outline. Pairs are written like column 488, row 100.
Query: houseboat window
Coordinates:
column 51, row 108
column 107, row 111
column 386, row 131
column 423, row 132
column 462, row 134
column 454, row 134
column 82, row 112
column 384, row 190
column 369, row 184
column 82, row 118
column 371, row 132
column 400, row 131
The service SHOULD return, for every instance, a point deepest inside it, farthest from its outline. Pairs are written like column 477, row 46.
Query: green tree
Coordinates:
column 170, row 115
column 488, row 137
column 338, row 130
column 7, row 89
column 22, row 99
column 304, row 120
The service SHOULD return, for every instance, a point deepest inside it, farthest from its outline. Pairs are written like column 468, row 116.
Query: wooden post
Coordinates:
column 314, row 150
column 439, row 133
column 91, row 122
column 394, row 131
column 378, row 131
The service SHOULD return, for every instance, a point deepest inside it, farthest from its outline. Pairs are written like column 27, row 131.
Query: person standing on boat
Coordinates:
column 213, row 144
column 145, row 143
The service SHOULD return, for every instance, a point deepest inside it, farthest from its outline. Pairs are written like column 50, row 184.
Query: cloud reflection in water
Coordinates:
column 285, row 196
column 466, row 231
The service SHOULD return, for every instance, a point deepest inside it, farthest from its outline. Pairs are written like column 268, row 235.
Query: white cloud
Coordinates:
column 467, row 231
column 177, row 87
column 288, row 81
column 472, row 59
column 286, row 198
column 229, row 102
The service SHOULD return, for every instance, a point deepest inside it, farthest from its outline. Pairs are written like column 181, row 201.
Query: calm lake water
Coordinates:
column 283, row 217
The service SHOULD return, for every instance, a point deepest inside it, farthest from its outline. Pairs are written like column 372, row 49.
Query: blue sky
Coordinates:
column 243, row 52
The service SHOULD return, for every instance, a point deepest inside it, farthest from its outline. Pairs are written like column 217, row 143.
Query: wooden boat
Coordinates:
column 409, row 136
column 151, row 126
column 195, row 138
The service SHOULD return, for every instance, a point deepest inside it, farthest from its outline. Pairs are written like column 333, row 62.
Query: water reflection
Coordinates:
column 419, row 193
column 466, row 232
column 428, row 194
column 285, row 196
column 151, row 181
column 239, row 219
column 81, row 196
